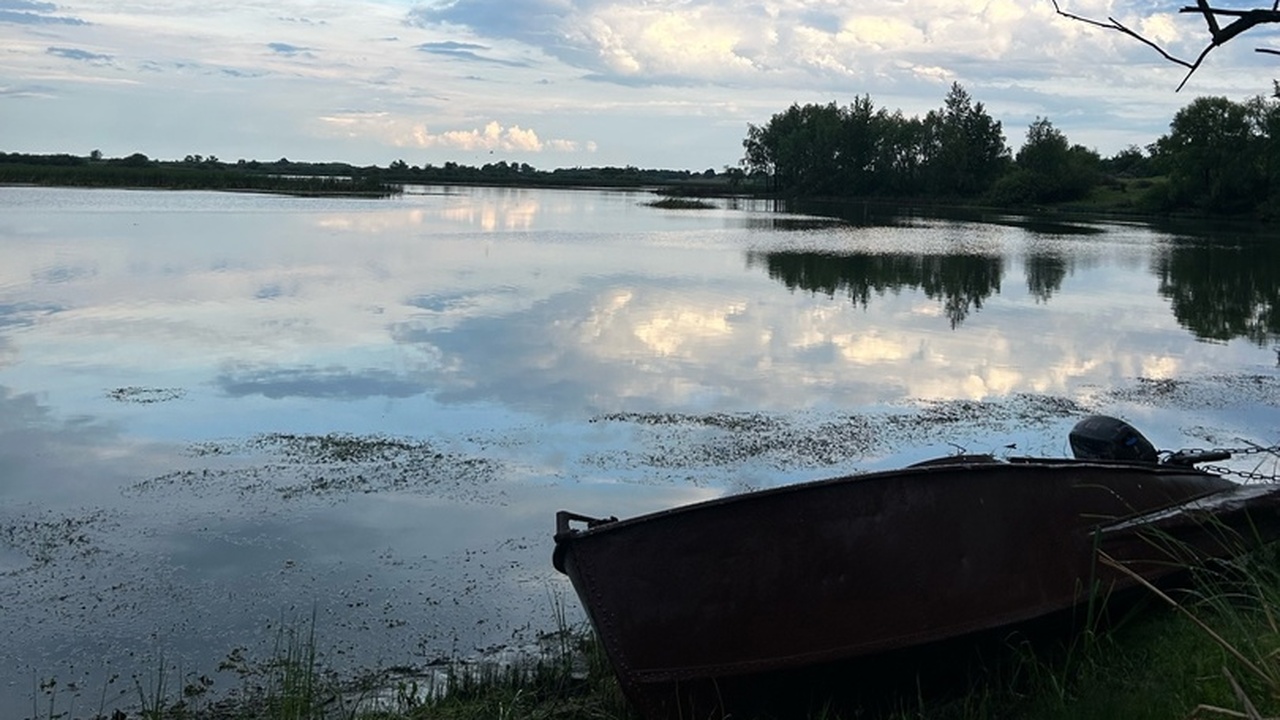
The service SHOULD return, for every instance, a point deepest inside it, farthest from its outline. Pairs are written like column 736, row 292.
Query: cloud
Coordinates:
column 303, row 21
column 795, row 43
column 663, row 83
column 27, row 91
column 238, row 73
column 675, row 44
column 80, row 55
column 23, row 12
column 450, row 46
column 287, row 49
column 334, row 382
column 402, row 132
column 465, row 51
column 535, row 23
column 25, row 314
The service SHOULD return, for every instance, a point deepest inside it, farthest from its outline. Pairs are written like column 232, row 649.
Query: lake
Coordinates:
column 224, row 414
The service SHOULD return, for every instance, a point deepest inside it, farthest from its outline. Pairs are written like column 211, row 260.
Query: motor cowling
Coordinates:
column 1099, row 437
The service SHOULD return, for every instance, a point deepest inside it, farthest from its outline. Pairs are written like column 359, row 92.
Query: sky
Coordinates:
column 575, row 83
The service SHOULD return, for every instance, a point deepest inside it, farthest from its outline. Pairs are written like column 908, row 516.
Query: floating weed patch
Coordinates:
column 675, row 203
column 145, row 395
column 343, row 448
column 1019, row 408
column 48, row 539
column 724, row 421
column 299, row 465
column 1214, row 391
column 675, row 441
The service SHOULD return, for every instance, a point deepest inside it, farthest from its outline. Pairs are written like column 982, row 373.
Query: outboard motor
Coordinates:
column 1099, row 437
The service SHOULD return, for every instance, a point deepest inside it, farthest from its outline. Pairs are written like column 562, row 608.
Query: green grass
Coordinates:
column 1121, row 196
column 1209, row 652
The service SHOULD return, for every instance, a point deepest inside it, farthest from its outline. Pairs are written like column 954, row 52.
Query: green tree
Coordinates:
column 1046, row 149
column 967, row 150
column 900, row 154
column 799, row 148
column 1048, row 169
column 859, row 150
column 1214, row 153
column 859, row 137
column 1129, row 162
column 137, row 160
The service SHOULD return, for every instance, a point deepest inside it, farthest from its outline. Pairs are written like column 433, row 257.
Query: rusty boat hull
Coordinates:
column 742, row 588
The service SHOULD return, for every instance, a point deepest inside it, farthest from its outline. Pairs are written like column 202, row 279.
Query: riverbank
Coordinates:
column 220, row 411
column 1137, row 198
column 1209, row 651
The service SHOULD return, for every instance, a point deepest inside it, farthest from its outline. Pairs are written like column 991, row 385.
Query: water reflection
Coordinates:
column 1045, row 273
column 478, row 359
column 1223, row 291
column 959, row 282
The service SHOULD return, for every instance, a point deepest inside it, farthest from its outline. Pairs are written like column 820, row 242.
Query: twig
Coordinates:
column 1245, row 20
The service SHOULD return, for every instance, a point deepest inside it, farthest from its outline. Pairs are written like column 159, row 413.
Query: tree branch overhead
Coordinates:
column 1241, row 21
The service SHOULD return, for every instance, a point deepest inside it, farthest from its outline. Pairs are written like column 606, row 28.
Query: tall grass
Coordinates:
column 1210, row 650
column 570, row 679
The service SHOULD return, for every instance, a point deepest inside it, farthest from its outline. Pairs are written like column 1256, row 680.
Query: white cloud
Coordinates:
column 1160, row 29
column 666, row 83
column 402, row 132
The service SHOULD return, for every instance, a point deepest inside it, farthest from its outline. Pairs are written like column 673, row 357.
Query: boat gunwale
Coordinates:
column 1017, row 463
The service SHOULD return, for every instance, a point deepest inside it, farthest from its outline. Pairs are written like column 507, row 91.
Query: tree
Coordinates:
column 1048, row 169
column 900, row 153
column 859, row 136
column 798, row 148
column 1238, row 22
column 967, row 151
column 1129, row 162
column 1046, row 149
column 136, row 160
column 1214, row 152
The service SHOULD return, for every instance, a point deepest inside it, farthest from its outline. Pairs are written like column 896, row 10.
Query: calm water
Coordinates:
column 220, row 413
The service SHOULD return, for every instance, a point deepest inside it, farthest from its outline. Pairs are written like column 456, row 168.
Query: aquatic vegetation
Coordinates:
column 678, row 203
column 145, row 395
column 293, row 465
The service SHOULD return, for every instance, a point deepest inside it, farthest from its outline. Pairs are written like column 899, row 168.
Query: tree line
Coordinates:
column 194, row 172
column 1219, row 156
column 285, row 175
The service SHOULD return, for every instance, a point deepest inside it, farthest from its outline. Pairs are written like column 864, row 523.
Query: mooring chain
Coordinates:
column 1247, row 474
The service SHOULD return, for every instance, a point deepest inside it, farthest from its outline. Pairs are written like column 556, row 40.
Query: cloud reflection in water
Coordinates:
column 569, row 349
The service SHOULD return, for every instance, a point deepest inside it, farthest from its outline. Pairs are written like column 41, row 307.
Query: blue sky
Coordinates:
column 562, row 83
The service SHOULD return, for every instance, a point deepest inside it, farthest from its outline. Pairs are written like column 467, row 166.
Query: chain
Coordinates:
column 1251, row 450
column 1254, row 450
column 1247, row 474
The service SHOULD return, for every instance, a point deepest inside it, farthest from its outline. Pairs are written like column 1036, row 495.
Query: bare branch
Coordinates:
column 1209, row 17
column 1113, row 24
column 1242, row 22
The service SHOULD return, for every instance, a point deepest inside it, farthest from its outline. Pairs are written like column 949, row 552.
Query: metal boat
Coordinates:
column 695, row 603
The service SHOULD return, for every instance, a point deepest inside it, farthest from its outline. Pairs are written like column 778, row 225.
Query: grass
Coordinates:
column 1209, row 652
